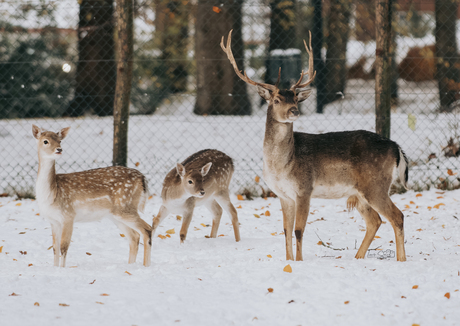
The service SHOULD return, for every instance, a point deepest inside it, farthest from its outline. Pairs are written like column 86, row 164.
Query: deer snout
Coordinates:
column 294, row 111
column 202, row 192
column 59, row 150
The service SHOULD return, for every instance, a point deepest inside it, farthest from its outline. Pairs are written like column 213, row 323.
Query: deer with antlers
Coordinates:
column 117, row 192
column 360, row 165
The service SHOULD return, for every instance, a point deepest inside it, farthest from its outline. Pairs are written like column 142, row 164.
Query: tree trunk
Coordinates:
column 283, row 36
column 219, row 89
column 382, row 68
column 317, row 45
column 124, row 79
column 335, row 69
column 96, row 71
column 171, row 26
column 446, row 52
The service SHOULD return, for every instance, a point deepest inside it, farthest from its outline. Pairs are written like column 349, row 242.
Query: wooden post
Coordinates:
column 382, row 65
column 124, row 78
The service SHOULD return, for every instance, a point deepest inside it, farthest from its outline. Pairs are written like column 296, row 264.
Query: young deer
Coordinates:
column 117, row 192
column 358, row 164
column 202, row 179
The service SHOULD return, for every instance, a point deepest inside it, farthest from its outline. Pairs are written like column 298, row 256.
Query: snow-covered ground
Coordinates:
column 221, row 282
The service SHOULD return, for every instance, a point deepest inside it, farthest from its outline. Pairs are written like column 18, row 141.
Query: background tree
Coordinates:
column 447, row 72
column 96, row 69
column 219, row 89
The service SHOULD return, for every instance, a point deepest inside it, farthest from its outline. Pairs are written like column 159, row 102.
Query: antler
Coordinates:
column 245, row 78
column 311, row 72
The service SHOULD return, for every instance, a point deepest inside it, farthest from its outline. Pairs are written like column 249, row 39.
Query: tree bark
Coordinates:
column 96, row 70
column 335, row 69
column 382, row 67
column 447, row 74
column 171, row 27
column 219, row 89
column 317, row 45
column 124, row 79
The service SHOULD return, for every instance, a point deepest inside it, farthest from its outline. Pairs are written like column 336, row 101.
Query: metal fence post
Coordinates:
column 124, row 78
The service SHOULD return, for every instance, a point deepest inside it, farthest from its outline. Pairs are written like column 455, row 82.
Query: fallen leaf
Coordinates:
column 168, row 236
column 240, row 197
column 105, row 294
column 150, row 197
column 257, row 179
column 22, row 232
column 346, row 302
column 287, row 269
column 406, row 206
column 89, row 254
column 14, row 295
column 320, row 243
column 37, row 304
column 267, row 213
column 170, row 231
column 419, row 230
column 128, row 273
column 449, row 172
column 411, row 202
column 274, row 233
column 137, row 164
column 30, row 265
column 63, row 304
column 239, row 206
column 403, row 297
column 438, row 205
column 269, row 256
column 418, row 195
column 99, row 302
column 18, row 204
column 257, row 215
column 338, row 257
column 161, row 236
column 122, row 235
column 178, row 217
column 440, row 197
column 415, row 287
column 221, row 235
column 447, row 295
column 1, row 249
column 216, row 9
column 270, row 290
column 204, row 225
column 92, row 282
column 377, row 237
column 50, row 247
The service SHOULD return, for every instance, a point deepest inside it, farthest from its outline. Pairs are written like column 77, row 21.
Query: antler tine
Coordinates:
column 244, row 77
column 311, row 67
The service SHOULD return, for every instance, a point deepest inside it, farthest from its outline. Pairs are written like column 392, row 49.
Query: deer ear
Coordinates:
column 36, row 131
column 180, row 170
column 303, row 95
column 205, row 169
column 63, row 133
column 264, row 93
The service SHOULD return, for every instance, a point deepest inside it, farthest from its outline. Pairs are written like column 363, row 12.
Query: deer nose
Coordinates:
column 294, row 111
column 202, row 192
column 59, row 150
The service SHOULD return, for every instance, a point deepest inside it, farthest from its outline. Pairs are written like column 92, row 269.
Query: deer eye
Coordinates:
column 45, row 142
column 190, row 181
column 276, row 102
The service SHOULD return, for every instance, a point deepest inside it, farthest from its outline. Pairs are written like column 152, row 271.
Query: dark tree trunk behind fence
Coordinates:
column 317, row 45
column 382, row 67
column 448, row 75
column 171, row 26
column 283, row 35
column 219, row 90
column 96, row 71
column 124, row 79
column 335, row 69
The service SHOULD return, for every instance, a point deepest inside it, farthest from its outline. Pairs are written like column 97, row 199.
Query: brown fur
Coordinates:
column 116, row 191
column 209, row 189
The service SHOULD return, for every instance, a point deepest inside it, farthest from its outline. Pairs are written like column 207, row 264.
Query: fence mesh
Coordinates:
column 58, row 68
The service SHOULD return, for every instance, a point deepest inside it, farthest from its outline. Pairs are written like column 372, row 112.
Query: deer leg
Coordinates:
column 133, row 238
column 224, row 200
column 186, row 219
column 67, row 230
column 162, row 214
column 134, row 221
column 384, row 206
column 302, row 209
column 288, row 207
column 373, row 222
column 56, row 230
column 216, row 211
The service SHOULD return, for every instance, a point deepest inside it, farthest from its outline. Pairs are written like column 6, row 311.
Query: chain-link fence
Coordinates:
column 58, row 68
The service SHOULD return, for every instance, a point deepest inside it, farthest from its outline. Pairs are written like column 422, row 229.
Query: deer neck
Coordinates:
column 46, row 185
column 278, row 141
